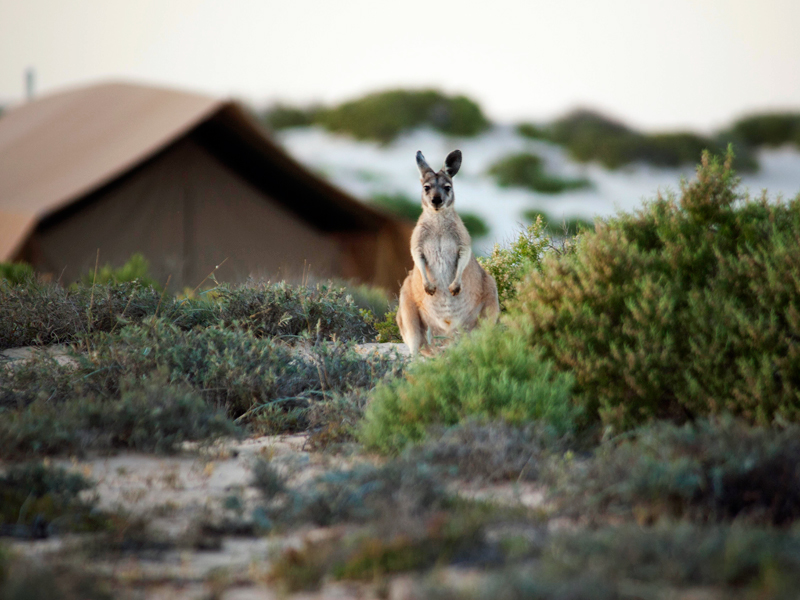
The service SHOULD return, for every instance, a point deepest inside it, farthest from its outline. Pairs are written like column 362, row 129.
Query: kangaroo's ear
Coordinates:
column 452, row 163
column 422, row 165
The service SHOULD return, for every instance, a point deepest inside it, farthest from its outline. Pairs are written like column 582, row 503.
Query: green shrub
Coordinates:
column 136, row 269
column 568, row 226
column 686, row 308
column 592, row 137
column 383, row 116
column 508, row 265
column 388, row 330
column 773, row 129
column 402, row 206
column 16, row 273
column 282, row 116
column 489, row 373
column 527, row 171
column 704, row 471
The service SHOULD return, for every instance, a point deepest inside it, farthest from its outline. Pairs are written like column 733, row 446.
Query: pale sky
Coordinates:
column 655, row 64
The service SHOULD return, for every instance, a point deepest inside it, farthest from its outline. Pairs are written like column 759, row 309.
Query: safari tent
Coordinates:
column 188, row 181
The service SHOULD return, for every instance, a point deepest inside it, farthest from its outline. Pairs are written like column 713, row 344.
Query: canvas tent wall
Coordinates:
column 186, row 180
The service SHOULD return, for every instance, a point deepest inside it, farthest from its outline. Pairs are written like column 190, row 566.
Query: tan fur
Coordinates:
column 447, row 291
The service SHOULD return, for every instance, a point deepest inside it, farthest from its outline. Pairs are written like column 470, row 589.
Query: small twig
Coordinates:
column 209, row 275
column 94, row 279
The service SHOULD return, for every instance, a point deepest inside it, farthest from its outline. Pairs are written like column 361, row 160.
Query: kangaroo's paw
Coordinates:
column 430, row 289
column 455, row 288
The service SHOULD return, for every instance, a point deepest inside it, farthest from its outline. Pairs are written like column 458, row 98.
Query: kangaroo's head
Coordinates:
column 437, row 188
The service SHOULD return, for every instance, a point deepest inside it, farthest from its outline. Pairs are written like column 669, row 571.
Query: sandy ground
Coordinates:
column 174, row 494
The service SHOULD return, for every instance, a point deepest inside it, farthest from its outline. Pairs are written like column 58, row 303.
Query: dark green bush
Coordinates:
column 383, row 116
column 772, row 130
column 488, row 373
column 687, row 308
column 527, row 171
column 403, row 206
column 704, row 471
column 592, row 137
column 16, row 273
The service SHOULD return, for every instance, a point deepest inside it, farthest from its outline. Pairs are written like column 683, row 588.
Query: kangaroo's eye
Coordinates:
column 427, row 188
column 447, row 188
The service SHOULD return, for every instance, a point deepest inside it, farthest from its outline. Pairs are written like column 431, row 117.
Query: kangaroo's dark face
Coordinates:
column 437, row 188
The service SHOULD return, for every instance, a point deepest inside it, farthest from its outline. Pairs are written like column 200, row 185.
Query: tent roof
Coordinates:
column 56, row 150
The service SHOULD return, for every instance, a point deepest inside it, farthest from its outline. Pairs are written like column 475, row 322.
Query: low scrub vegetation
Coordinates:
column 149, row 415
column 488, row 373
column 38, row 500
column 681, row 561
column 706, row 471
column 190, row 378
column 36, row 313
column 527, row 171
column 494, row 450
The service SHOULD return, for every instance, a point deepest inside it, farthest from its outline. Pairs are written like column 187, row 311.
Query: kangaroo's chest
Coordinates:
column 441, row 254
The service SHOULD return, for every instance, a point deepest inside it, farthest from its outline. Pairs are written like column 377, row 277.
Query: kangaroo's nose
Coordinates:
column 437, row 201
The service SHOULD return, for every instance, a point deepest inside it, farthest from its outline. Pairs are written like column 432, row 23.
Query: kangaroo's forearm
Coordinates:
column 464, row 254
column 422, row 265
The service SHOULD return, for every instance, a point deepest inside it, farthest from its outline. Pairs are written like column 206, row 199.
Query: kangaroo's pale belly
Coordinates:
column 442, row 311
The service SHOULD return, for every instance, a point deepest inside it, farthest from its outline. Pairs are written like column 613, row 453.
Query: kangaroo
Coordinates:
column 447, row 291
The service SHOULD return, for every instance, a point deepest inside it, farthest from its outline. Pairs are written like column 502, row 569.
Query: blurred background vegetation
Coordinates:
column 586, row 134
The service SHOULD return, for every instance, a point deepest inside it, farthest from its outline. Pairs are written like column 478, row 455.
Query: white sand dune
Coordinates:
column 365, row 169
